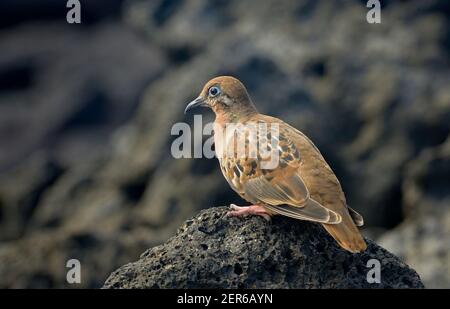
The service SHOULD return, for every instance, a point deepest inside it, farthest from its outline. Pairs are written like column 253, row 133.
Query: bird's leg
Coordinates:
column 252, row 210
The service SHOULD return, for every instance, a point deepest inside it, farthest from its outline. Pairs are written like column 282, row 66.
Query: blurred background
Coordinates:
column 86, row 111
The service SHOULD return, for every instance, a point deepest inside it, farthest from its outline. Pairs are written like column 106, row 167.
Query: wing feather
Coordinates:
column 311, row 211
column 281, row 189
column 289, row 196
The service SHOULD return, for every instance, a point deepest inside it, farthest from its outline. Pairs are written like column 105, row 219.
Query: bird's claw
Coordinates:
column 253, row 210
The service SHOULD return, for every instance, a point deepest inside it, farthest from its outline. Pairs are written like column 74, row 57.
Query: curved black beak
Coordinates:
column 197, row 102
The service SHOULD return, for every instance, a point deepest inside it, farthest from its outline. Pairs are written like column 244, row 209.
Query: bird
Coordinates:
column 301, row 185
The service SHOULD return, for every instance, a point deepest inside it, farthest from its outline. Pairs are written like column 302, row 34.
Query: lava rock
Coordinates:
column 215, row 251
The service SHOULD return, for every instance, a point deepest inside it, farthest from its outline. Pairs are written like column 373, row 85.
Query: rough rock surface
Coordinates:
column 214, row 251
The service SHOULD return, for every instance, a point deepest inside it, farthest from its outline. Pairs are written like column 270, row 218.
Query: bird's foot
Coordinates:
column 253, row 210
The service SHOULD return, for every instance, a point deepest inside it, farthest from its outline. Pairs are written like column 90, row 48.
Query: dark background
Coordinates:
column 86, row 112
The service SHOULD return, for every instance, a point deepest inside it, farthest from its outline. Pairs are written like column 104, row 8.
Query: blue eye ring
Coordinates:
column 214, row 91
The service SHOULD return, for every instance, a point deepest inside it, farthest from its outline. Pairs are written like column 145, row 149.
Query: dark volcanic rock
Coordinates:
column 214, row 251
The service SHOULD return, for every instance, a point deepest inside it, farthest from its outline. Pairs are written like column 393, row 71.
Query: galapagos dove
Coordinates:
column 300, row 185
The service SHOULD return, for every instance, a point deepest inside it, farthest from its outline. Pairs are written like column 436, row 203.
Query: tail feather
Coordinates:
column 357, row 218
column 347, row 234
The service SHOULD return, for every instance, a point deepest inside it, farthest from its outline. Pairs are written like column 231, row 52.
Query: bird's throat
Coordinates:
column 225, row 117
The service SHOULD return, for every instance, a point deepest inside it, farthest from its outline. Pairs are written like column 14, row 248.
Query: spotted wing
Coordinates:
column 281, row 188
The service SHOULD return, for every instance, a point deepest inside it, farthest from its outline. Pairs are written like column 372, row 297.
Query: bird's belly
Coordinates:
column 236, row 172
column 231, row 177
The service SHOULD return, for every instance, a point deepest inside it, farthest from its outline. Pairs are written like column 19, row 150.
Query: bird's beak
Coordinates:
column 197, row 102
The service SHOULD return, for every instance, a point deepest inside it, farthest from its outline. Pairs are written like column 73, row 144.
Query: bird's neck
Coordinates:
column 241, row 115
column 223, row 119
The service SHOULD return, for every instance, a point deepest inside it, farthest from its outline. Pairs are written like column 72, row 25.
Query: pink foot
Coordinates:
column 253, row 210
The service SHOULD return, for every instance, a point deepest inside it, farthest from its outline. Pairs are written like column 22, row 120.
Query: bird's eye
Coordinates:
column 214, row 91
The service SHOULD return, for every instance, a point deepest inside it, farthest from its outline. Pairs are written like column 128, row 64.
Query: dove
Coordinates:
column 301, row 185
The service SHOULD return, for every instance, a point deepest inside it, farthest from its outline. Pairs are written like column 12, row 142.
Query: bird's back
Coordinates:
column 323, row 185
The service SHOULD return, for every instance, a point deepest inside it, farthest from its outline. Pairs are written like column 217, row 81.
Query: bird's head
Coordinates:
column 227, row 97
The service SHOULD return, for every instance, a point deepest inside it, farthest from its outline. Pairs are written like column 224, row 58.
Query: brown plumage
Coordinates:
column 301, row 185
